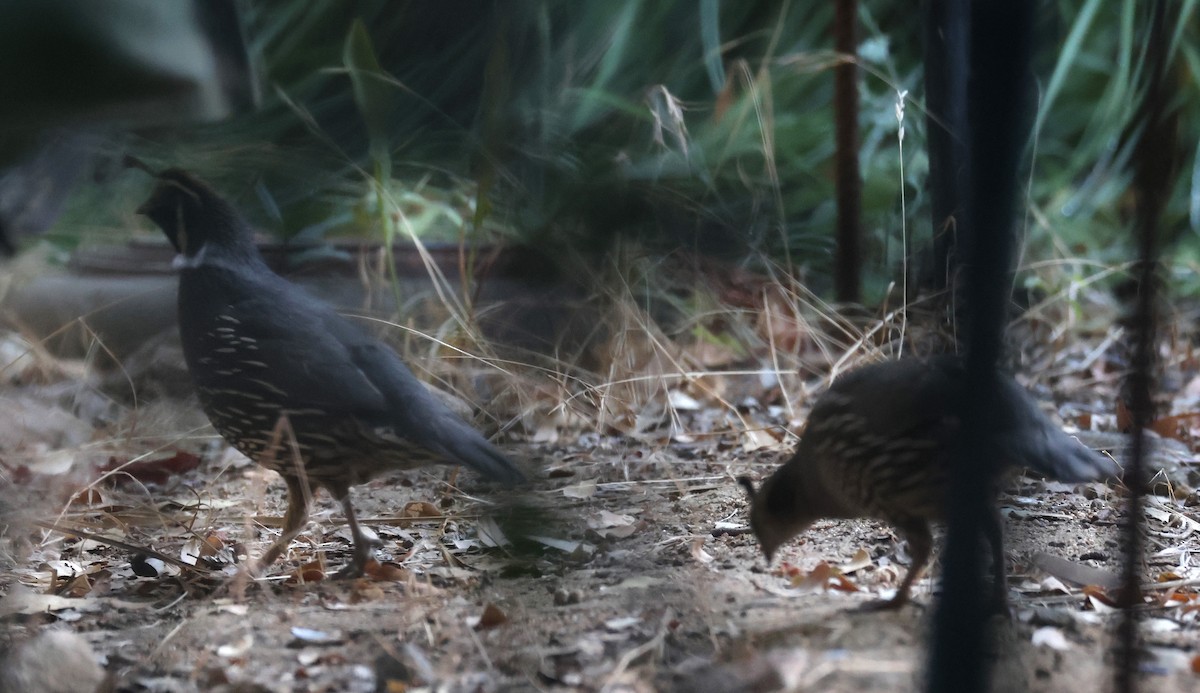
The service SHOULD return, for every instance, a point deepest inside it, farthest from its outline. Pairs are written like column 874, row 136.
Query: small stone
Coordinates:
column 564, row 596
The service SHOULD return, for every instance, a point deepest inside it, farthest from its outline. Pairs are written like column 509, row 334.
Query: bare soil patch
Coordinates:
column 626, row 569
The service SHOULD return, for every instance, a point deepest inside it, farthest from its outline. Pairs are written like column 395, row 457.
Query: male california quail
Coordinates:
column 289, row 382
column 877, row 445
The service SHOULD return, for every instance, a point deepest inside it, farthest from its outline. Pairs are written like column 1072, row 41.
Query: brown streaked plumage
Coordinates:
column 876, row 445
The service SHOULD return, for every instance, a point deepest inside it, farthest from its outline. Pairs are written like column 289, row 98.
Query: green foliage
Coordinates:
column 698, row 124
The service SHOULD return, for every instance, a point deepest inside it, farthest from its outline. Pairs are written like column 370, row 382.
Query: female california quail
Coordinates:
column 289, row 382
column 876, row 445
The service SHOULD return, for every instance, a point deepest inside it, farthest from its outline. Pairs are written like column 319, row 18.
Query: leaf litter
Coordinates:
column 638, row 568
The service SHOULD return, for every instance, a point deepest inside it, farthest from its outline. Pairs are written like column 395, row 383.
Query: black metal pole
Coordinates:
column 1000, row 50
column 945, row 36
column 848, row 259
column 1152, row 183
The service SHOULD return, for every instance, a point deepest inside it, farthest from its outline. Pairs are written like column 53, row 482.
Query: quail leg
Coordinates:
column 920, row 546
column 365, row 540
column 293, row 521
column 993, row 532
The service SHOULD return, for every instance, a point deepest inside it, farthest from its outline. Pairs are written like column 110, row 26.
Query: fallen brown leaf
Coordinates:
column 387, row 572
column 1179, row 426
column 307, row 573
column 157, row 472
column 492, row 616
column 421, row 509
column 364, row 591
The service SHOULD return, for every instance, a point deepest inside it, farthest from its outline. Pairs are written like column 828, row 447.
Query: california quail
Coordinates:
column 876, row 445
column 289, row 382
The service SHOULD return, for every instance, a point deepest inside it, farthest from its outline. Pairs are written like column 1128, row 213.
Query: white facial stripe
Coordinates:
column 189, row 261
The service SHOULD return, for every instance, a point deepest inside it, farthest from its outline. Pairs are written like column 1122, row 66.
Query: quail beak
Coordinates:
column 769, row 553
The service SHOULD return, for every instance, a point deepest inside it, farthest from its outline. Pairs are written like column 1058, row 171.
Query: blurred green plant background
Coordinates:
column 694, row 123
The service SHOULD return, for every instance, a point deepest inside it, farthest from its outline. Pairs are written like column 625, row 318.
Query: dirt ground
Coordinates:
column 624, row 567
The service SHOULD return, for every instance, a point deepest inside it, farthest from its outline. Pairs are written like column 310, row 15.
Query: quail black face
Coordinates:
column 193, row 216
column 773, row 526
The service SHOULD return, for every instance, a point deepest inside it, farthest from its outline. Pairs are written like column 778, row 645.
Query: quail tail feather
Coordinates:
column 478, row 454
column 1054, row 454
column 1033, row 441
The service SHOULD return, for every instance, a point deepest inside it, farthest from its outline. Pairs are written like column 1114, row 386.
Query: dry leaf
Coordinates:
column 157, row 472
column 1173, row 598
column 612, row 525
column 1049, row 636
column 618, row 624
column 815, row 579
column 202, row 547
column 364, row 591
column 27, row 603
column 63, row 569
column 237, row 648
column 1179, row 426
column 604, row 518
column 861, row 560
column 789, row 571
column 490, row 534
column 52, row 463
column 759, row 439
column 311, row 636
column 584, row 489
column 546, row 433
column 841, row 583
column 1053, row 584
column 492, row 617
column 307, row 573
column 388, row 572
column 565, row 545
column 78, row 587
column 1124, row 416
column 1159, row 625
column 1099, row 599
column 682, row 401
column 420, row 509
column 88, row 496
column 212, row 545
